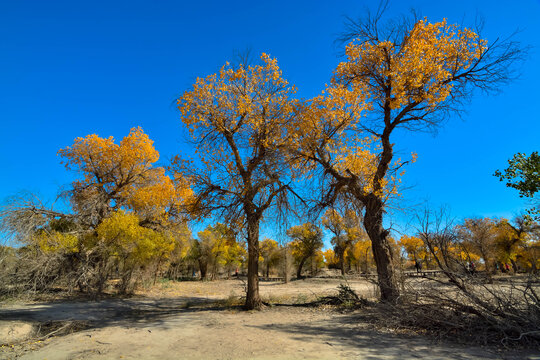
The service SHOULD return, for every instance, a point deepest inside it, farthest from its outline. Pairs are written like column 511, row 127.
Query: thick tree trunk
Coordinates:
column 342, row 264
column 382, row 252
column 253, row 301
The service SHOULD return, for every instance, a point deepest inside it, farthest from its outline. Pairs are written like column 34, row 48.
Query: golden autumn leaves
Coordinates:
column 421, row 69
column 255, row 102
column 252, row 103
column 248, row 110
column 124, row 174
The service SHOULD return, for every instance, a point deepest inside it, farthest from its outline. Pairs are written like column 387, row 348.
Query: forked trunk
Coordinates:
column 382, row 252
column 253, row 301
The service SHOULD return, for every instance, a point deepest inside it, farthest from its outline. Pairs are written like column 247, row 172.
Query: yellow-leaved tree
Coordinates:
column 346, row 230
column 122, row 176
column 238, row 121
column 127, row 211
column 270, row 253
column 306, row 244
column 130, row 244
column 415, row 248
column 407, row 75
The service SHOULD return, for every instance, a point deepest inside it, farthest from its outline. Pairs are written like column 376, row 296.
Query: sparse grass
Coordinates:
column 232, row 301
column 301, row 299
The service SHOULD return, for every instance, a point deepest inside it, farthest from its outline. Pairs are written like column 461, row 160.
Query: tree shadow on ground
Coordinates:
column 112, row 312
column 349, row 336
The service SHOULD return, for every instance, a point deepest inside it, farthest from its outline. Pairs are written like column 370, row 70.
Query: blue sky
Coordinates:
column 73, row 68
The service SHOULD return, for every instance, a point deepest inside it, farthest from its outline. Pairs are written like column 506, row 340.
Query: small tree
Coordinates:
column 345, row 230
column 511, row 237
column 306, row 242
column 270, row 253
column 119, row 197
column 479, row 234
column 121, row 176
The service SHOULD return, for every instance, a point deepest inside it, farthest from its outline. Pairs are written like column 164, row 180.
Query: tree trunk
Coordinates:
column 382, row 252
column 203, row 267
column 267, row 269
column 286, row 264
column 514, row 266
column 299, row 271
column 253, row 301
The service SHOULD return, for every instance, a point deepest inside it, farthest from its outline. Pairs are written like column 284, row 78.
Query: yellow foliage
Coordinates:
column 380, row 86
column 235, row 116
column 419, row 69
column 306, row 240
column 415, row 247
column 269, row 251
column 122, row 175
column 124, row 237
column 330, row 258
column 54, row 241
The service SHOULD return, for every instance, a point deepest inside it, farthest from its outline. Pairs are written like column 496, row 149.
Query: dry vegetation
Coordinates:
column 309, row 318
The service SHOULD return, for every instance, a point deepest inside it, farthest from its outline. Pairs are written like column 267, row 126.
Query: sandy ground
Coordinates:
column 195, row 320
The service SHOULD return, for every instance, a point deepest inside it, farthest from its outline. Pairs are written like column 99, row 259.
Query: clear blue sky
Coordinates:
column 72, row 68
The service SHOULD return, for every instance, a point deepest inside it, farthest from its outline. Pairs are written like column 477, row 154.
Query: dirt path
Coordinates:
column 193, row 327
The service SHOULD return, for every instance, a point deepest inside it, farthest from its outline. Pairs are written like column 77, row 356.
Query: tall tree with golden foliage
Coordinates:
column 407, row 75
column 238, row 120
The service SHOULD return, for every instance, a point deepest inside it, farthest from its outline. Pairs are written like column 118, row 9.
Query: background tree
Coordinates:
column 415, row 249
column 523, row 174
column 131, row 245
column 126, row 213
column 306, row 242
column 121, row 176
column 361, row 254
column 216, row 247
column 479, row 233
column 409, row 75
column 238, row 121
column 345, row 230
column 270, row 253
column 528, row 254
column 511, row 237
column 330, row 259
column 234, row 256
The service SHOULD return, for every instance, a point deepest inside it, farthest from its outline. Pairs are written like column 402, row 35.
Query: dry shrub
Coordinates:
column 507, row 314
column 471, row 307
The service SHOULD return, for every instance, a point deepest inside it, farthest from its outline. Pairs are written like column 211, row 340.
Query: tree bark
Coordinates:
column 299, row 271
column 341, row 257
column 286, row 264
column 203, row 267
column 253, row 300
column 382, row 252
